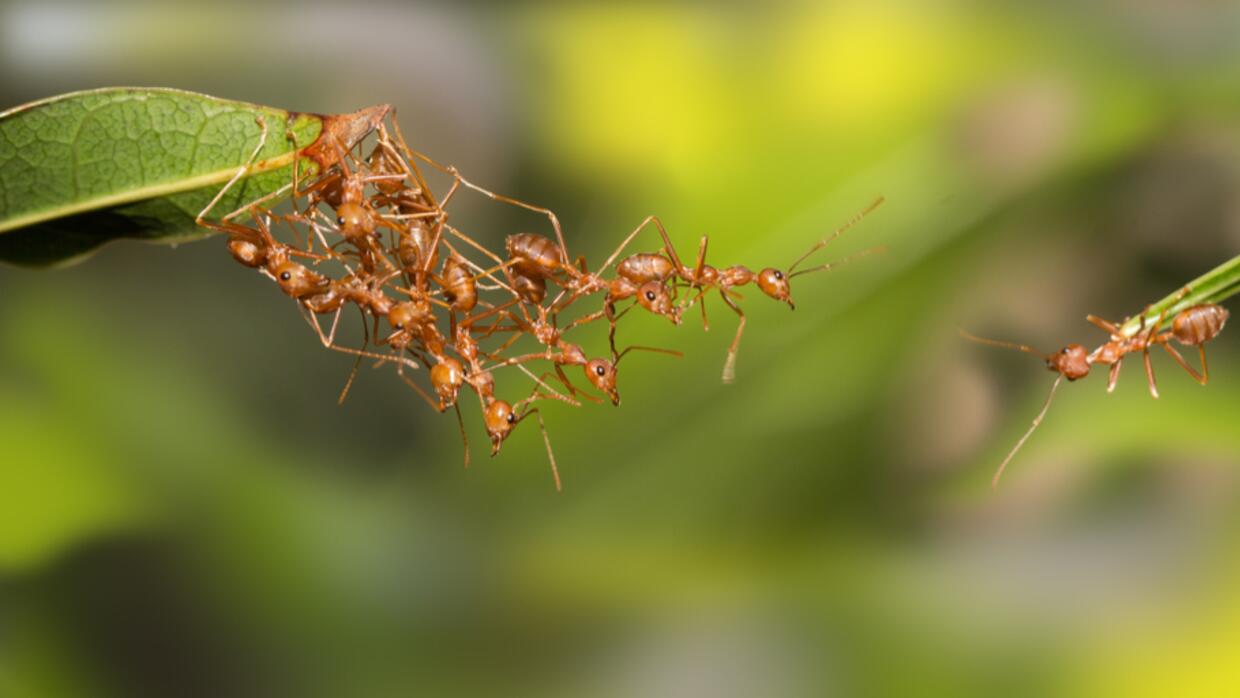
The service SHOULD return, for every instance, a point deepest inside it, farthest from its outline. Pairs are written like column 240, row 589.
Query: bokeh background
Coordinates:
column 184, row 509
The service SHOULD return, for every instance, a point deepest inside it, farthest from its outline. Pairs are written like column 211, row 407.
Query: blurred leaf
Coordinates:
column 84, row 168
column 59, row 491
column 1214, row 286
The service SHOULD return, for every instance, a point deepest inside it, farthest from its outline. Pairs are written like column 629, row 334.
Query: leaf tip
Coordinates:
column 345, row 130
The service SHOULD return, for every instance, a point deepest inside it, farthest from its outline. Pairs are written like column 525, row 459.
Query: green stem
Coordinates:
column 1214, row 286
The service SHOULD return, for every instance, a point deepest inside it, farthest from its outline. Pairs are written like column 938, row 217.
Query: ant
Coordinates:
column 1192, row 326
column 701, row 276
column 499, row 416
column 600, row 372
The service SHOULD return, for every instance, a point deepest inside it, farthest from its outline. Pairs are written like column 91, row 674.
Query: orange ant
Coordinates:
column 1192, row 326
column 773, row 282
column 600, row 372
column 499, row 416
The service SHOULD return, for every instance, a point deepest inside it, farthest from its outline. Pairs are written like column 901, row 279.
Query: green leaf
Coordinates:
column 84, row 168
column 1214, row 286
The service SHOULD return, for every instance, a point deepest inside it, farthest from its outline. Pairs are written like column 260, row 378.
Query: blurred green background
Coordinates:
column 184, row 509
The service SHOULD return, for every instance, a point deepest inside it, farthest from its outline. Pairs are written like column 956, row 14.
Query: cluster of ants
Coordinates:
column 373, row 219
column 1192, row 326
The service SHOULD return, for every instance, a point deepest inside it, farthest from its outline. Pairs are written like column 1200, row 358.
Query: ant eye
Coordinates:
column 650, row 295
column 600, row 370
column 779, row 274
column 284, row 275
column 512, row 418
column 340, row 220
column 400, row 325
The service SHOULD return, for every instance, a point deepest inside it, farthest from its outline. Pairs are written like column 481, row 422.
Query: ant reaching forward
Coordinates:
column 642, row 268
column 1192, row 326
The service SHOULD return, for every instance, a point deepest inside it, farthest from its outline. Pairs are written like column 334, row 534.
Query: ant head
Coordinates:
column 500, row 418
column 774, row 283
column 354, row 220
column 653, row 296
column 1072, row 361
column 296, row 280
column 447, row 376
column 602, row 375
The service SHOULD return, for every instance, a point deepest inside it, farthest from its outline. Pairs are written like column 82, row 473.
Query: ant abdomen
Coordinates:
column 459, row 287
column 247, row 252
column 415, row 251
column 535, row 255
column 532, row 289
column 642, row 267
column 1199, row 324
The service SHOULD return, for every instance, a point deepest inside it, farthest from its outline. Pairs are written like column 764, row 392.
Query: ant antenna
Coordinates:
column 460, row 422
column 994, row 482
column 657, row 350
column 838, row 231
column 1002, row 345
column 555, row 472
column 838, row 263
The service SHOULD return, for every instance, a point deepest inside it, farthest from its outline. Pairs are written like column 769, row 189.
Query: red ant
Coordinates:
column 703, row 277
column 1192, row 326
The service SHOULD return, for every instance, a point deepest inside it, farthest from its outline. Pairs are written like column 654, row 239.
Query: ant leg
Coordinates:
column 328, row 342
column 1113, row 377
column 201, row 218
column 584, row 320
column 400, row 371
column 1204, row 376
column 994, row 482
column 555, row 472
column 551, row 393
column 344, row 393
column 1108, row 327
column 452, row 171
column 1149, row 373
column 729, row 366
column 460, row 423
column 700, row 297
column 1145, row 351
column 349, row 383
column 701, row 260
column 572, row 390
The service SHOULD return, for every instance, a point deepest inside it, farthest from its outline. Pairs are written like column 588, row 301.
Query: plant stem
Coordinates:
column 1214, row 286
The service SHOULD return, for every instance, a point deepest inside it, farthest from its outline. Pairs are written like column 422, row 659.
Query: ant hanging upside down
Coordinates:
column 1192, row 326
